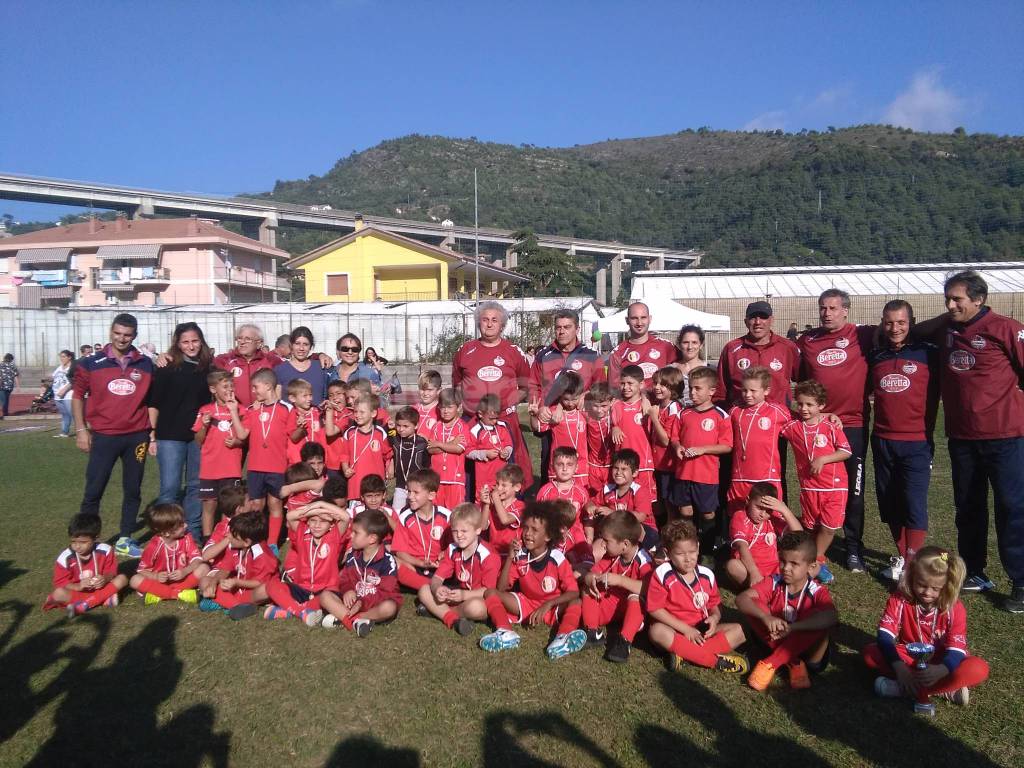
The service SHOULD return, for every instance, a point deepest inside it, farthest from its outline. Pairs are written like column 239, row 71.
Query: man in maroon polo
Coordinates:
column 640, row 348
column 760, row 346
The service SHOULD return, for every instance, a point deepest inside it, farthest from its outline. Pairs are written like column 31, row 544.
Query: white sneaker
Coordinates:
column 961, row 696
column 330, row 622
column 895, row 569
column 887, row 688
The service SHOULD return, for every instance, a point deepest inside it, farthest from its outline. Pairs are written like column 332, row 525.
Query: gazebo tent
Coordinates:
column 666, row 315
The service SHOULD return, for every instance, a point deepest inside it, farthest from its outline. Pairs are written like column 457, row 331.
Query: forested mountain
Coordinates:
column 865, row 194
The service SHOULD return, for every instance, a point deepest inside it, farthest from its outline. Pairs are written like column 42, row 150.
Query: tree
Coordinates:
column 552, row 272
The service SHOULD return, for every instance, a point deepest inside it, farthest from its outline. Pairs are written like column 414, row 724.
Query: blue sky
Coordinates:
column 226, row 97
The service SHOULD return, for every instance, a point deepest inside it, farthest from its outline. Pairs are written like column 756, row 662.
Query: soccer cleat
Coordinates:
column 895, row 569
column 209, row 605
column 151, row 599
column 799, row 679
column 501, row 640
column 596, row 637
column 961, row 696
column 762, row 676
column 733, row 663
column 275, row 612
column 618, row 650
column 887, row 688
column 825, row 575
column 977, row 582
column 77, row 609
column 1015, row 602
column 568, row 643
column 854, row 562
column 127, row 547
column 464, row 626
column 675, row 663
column 242, row 611
column 330, row 622
column 310, row 617
column 362, row 627
column 112, row 602
column 188, row 596
column 421, row 609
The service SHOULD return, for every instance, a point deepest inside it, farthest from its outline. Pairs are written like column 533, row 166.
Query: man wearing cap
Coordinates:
column 640, row 348
column 761, row 346
column 836, row 355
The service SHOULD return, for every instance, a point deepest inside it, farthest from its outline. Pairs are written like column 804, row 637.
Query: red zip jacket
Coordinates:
column 243, row 370
column 551, row 361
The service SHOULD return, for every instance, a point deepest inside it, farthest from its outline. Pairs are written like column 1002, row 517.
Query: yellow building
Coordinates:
column 373, row 265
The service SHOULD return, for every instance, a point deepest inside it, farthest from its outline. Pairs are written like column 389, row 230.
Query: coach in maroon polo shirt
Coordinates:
column 640, row 348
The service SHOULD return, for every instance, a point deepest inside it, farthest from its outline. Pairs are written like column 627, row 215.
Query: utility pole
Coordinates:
column 476, row 234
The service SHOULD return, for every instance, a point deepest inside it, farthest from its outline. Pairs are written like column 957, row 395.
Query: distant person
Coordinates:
column 97, row 347
column 792, row 333
column 63, row 375
column 85, row 350
column 641, row 348
column 10, row 378
column 283, row 346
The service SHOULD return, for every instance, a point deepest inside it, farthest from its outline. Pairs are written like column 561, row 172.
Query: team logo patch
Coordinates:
column 548, row 584
column 494, row 439
column 769, row 538
column 324, row 551
column 236, row 371
column 264, row 417
column 489, row 373
column 121, row 387
column 910, row 368
column 638, row 418
column 632, row 356
column 499, row 360
column 764, row 423
column 775, row 364
column 961, row 360
column 654, row 354
column 842, row 343
column 978, row 342
column 577, row 365
column 87, row 573
column 894, row 383
column 820, row 441
column 707, row 424
column 832, row 357
column 436, row 532
column 464, row 576
column 649, row 369
column 431, row 421
column 700, row 599
column 743, row 363
column 137, row 376
column 1020, row 335
column 224, row 426
column 374, row 445
column 140, row 452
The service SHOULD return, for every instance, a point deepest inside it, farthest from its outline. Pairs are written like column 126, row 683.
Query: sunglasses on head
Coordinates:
column 348, row 349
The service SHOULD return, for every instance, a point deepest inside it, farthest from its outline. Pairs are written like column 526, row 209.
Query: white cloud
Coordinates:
column 767, row 121
column 926, row 105
column 831, row 97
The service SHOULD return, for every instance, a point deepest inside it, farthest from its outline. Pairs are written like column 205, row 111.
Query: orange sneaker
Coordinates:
column 799, row 679
column 762, row 676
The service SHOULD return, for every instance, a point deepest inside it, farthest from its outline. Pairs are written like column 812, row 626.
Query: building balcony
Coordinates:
column 400, row 296
column 133, row 276
column 250, row 278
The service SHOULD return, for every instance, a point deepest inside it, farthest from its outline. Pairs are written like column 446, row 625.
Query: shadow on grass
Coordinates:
column 366, row 750
column 8, row 572
column 503, row 732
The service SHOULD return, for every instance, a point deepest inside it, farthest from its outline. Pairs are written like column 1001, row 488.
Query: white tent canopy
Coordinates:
column 666, row 315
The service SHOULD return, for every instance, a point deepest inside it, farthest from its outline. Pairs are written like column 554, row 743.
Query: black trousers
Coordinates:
column 106, row 450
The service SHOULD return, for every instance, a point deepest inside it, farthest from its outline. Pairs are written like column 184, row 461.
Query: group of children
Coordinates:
column 586, row 555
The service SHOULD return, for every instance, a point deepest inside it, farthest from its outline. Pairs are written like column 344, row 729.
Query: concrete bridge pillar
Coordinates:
column 144, row 209
column 265, row 231
column 617, row 276
column 657, row 263
column 602, row 286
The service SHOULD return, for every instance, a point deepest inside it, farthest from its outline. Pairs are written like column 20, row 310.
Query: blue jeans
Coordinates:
column 5, row 401
column 173, row 457
column 64, row 409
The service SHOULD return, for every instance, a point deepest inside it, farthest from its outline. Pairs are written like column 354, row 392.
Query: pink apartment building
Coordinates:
column 138, row 262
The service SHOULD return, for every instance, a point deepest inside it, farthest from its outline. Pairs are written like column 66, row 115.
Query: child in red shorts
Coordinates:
column 503, row 511
column 447, row 448
column 220, row 457
column 85, row 575
column 755, row 532
column 170, row 566
column 598, row 404
column 246, row 564
column 365, row 449
column 305, row 420
column 755, row 438
column 489, row 444
column 421, row 534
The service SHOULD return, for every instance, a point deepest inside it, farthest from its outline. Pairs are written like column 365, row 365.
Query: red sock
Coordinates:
column 281, row 596
column 570, row 619
column 154, row 587
column 496, row 610
column 275, row 530
column 347, row 622
column 702, row 655
column 792, row 646
column 896, row 531
column 100, row 596
column 591, row 612
column 450, row 617
column 915, row 540
column 633, row 620
column 410, row 577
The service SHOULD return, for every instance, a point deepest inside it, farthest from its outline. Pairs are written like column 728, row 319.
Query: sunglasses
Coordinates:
column 348, row 349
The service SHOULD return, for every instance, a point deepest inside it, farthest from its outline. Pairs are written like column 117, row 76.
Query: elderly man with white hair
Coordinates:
column 245, row 359
column 640, row 348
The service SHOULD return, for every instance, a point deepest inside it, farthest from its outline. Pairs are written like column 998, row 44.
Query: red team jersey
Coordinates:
column 161, row 557
column 368, row 453
column 479, row 571
column 636, row 499
column 313, row 563
column 219, row 533
column 255, row 563
column 499, row 535
column 421, row 538
column 629, row 417
column 599, row 453
column 268, row 437
column 774, row 597
column 838, row 359
column 450, row 466
column 905, row 387
column 216, row 460
column 314, row 433
column 242, row 371
column 811, row 442
column 711, row 426
column 333, row 444
column 662, row 455
column 576, row 495
column 650, row 356
column 639, row 567
column 483, row 438
column 301, row 499
column 428, row 418
column 907, row 622
column 780, row 356
column 755, row 442
column 544, row 578
column 570, row 432
column 689, row 601
column 71, row 569
column 761, row 539
column 478, row 370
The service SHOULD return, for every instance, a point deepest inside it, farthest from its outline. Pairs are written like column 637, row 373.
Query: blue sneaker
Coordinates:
column 127, row 547
column 502, row 640
column 208, row 605
column 276, row 551
column 977, row 582
column 825, row 575
column 563, row 645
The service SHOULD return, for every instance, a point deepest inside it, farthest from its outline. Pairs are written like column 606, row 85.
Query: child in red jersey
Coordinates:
column 563, row 487
column 626, row 493
column 231, row 500
column 467, row 569
column 364, row 387
column 305, row 420
column 547, row 591
column 367, row 591
column 611, row 589
column 502, row 508
column 311, row 565
column 663, row 426
column 337, row 418
column 410, row 451
column 245, row 564
column 301, row 485
column 447, row 448
column 365, row 448
column 598, row 404
column 265, row 425
column 755, row 438
column 170, row 566
column 85, row 575
column 568, row 424
column 821, row 449
column 682, row 601
column 490, row 443
column 220, row 458
column 792, row 614
column 754, row 533
column 925, row 609
column 429, row 386
column 372, row 492
column 421, row 534
column 629, row 428
column 704, row 433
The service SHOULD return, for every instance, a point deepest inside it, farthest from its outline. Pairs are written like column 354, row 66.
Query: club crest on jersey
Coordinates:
column 1020, row 335
column 637, row 418
column 577, row 365
column 494, row 439
column 264, row 417
column 121, row 387
column 961, row 360
column 832, row 357
column 700, row 599
column 632, row 356
column 499, row 360
column 743, row 363
column 489, row 373
column 910, row 368
column 842, row 343
column 324, row 551
column 775, row 364
column 224, row 426
column 978, row 342
column 548, row 584
column 374, row 445
column 436, row 532
column 820, row 441
column 137, row 375
column 236, row 372
column 707, row 424
column 764, row 423
column 769, row 538
column 87, row 573
column 654, row 354
column 894, row 383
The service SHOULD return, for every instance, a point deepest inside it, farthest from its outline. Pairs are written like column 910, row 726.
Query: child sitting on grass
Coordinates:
column 85, row 575
column 171, row 566
column 246, row 563
column 755, row 533
column 231, row 501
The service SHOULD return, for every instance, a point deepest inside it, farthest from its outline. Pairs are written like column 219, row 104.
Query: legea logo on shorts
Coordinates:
column 961, row 360
column 122, row 387
column 894, row 383
column 489, row 373
column 832, row 357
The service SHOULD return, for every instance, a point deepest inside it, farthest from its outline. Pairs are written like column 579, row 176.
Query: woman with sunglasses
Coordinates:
column 349, row 367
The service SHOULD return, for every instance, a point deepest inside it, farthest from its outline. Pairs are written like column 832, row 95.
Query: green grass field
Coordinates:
column 168, row 685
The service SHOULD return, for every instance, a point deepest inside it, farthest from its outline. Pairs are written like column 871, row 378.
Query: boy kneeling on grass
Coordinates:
column 85, row 575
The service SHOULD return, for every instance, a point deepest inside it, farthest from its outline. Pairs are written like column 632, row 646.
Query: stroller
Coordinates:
column 43, row 403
